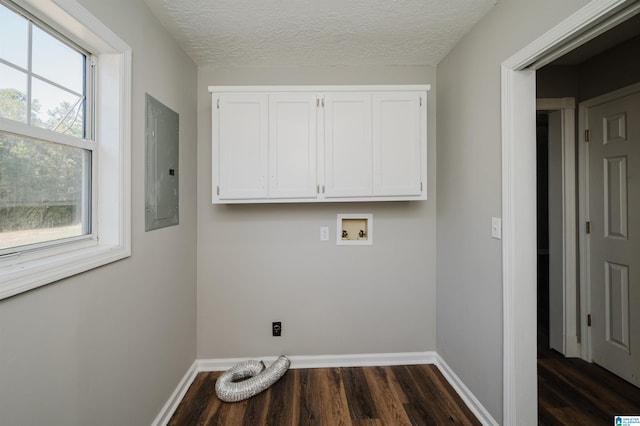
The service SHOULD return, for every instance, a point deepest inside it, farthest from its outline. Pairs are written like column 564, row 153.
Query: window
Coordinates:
column 45, row 175
column 64, row 143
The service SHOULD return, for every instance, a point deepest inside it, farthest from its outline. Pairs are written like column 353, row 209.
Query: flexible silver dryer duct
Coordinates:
column 229, row 389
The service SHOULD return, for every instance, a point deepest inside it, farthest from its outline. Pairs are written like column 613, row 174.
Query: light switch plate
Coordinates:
column 324, row 233
column 496, row 228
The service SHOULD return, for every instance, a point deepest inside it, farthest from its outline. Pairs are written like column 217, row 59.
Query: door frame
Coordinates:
column 570, row 324
column 583, row 180
column 518, row 196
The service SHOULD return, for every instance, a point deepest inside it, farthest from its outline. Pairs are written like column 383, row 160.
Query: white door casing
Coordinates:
column 564, row 320
column 611, row 159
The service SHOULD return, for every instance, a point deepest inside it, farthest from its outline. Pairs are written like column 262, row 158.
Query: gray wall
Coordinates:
column 263, row 263
column 469, row 274
column 613, row 69
column 108, row 347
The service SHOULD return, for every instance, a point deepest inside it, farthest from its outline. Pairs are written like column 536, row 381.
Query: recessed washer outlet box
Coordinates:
column 354, row 229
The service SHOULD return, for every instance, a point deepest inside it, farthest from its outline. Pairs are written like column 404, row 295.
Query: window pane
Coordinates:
column 13, row 94
column 57, row 62
column 56, row 109
column 14, row 36
column 44, row 191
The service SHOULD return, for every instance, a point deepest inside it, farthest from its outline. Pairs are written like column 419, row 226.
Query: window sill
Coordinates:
column 25, row 276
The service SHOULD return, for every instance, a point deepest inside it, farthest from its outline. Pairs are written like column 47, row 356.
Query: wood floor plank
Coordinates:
column 384, row 396
column 280, row 410
column 256, row 409
column 457, row 412
column 436, row 396
column 361, row 405
column 197, row 398
column 220, row 416
column 415, row 408
column 211, row 407
column 333, row 399
column 397, row 389
column 310, row 406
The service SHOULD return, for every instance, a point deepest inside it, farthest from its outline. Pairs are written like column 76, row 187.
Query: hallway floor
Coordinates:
column 572, row 391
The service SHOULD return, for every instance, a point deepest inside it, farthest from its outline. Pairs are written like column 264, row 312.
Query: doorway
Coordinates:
column 518, row 194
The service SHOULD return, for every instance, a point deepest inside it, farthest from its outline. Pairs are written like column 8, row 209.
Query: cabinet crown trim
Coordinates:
column 320, row 89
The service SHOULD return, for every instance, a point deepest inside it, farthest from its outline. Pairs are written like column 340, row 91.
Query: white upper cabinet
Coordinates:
column 292, row 145
column 397, row 148
column 348, row 153
column 240, row 123
column 319, row 143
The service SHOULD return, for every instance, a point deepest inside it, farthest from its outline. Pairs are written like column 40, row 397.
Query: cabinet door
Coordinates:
column 348, row 145
column 240, row 146
column 397, row 143
column 292, row 145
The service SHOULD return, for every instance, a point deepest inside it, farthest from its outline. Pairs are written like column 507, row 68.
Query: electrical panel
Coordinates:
column 161, row 180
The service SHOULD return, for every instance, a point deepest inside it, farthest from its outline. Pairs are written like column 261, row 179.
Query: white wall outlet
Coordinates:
column 496, row 228
column 324, row 233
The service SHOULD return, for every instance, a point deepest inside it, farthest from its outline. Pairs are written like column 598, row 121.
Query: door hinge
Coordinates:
column 587, row 135
column 587, row 227
column 588, row 320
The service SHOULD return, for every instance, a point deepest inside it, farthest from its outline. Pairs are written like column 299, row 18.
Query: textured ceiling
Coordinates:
column 270, row 33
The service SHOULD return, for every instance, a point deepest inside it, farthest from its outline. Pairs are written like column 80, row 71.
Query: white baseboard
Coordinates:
column 469, row 398
column 331, row 361
column 328, row 361
column 174, row 400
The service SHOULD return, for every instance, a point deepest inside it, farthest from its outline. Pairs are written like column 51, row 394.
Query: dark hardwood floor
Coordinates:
column 572, row 391
column 396, row 395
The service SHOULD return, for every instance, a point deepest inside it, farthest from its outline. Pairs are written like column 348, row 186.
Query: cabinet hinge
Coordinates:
column 218, row 104
column 587, row 135
column 588, row 320
column 587, row 227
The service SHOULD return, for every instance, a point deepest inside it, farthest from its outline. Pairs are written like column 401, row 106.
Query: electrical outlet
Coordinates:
column 276, row 328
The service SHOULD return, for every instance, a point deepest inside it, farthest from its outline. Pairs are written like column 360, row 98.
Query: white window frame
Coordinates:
column 111, row 197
